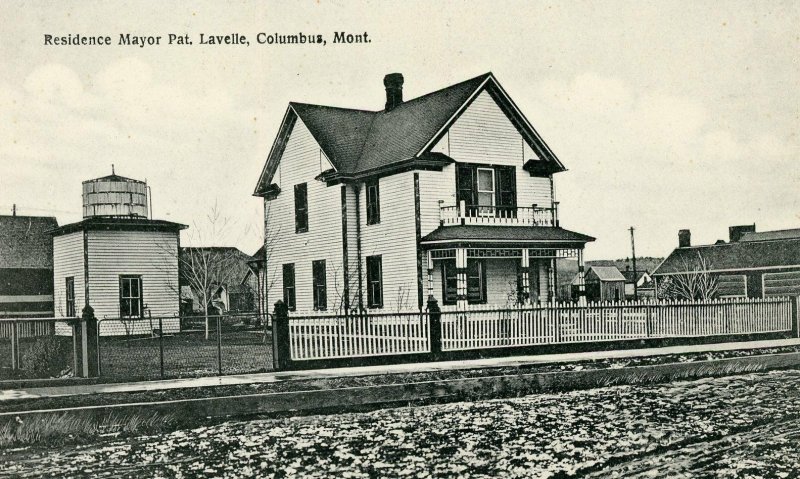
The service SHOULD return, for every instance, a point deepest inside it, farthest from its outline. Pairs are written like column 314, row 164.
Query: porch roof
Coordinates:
column 506, row 235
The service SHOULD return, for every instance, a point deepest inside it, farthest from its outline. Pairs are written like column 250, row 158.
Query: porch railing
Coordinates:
column 464, row 214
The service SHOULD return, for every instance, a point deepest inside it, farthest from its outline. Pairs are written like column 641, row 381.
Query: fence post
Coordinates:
column 795, row 326
column 89, row 342
column 14, row 345
column 161, row 344
column 280, row 336
column 435, row 325
column 219, row 345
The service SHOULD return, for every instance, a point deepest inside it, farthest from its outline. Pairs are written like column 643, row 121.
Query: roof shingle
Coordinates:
column 25, row 241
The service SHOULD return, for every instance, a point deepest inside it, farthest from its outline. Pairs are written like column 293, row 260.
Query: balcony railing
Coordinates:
column 464, row 214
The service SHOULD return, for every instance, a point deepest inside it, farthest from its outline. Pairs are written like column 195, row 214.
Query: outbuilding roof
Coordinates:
column 362, row 142
column 607, row 273
column 741, row 255
column 25, row 241
column 108, row 223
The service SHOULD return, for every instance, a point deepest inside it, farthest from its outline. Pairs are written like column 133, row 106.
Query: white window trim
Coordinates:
column 493, row 191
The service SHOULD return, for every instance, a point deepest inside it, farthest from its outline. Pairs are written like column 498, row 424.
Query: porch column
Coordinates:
column 461, row 272
column 526, row 274
column 429, row 262
column 581, row 280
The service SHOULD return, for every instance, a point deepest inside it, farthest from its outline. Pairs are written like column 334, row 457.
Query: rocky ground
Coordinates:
column 738, row 426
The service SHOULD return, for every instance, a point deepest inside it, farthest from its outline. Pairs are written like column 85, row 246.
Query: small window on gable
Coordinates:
column 374, row 282
column 301, row 208
column 373, row 203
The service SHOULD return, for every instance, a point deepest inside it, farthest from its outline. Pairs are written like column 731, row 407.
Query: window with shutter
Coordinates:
column 373, row 203
column 320, row 285
column 289, row 294
column 374, row 282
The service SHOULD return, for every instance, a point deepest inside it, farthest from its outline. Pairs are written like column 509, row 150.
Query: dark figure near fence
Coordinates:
column 89, row 342
column 280, row 336
column 435, row 314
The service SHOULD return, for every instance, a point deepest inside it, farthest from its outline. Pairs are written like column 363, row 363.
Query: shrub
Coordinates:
column 47, row 356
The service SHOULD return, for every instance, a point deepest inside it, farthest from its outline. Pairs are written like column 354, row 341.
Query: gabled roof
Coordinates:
column 629, row 277
column 741, row 255
column 360, row 143
column 25, row 241
column 233, row 258
column 607, row 273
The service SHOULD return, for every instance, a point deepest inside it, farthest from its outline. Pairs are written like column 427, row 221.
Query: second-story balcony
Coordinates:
column 464, row 214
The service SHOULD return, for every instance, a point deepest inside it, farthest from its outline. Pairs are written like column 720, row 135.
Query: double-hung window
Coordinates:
column 373, row 203
column 130, row 297
column 486, row 193
column 476, row 281
column 319, row 284
column 301, row 208
column 289, row 298
column 70, row 295
column 374, row 282
column 487, row 190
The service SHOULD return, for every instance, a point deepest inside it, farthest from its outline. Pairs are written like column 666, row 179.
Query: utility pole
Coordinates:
column 635, row 279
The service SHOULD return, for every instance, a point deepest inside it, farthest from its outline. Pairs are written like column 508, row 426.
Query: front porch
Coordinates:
column 497, row 276
column 498, row 265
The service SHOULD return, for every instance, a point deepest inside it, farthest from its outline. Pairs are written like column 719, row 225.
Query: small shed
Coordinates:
column 603, row 283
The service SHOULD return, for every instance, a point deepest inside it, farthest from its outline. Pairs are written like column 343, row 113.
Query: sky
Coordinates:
column 668, row 115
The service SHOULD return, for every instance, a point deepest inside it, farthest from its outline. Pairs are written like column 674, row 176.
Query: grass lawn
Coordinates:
column 186, row 354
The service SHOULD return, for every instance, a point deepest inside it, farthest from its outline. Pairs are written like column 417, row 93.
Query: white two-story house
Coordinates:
column 448, row 195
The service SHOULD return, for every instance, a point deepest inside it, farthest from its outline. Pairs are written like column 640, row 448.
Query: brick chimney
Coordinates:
column 684, row 238
column 394, row 90
column 735, row 233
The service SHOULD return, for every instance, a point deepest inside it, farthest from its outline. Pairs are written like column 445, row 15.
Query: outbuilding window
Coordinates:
column 70, row 295
column 130, row 297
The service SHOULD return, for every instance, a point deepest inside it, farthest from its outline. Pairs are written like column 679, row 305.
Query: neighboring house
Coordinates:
column 26, row 266
column 603, row 283
column 228, row 270
column 449, row 195
column 641, row 279
column 751, row 264
column 117, row 260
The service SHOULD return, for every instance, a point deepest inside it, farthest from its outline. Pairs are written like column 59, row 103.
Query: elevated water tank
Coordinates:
column 114, row 195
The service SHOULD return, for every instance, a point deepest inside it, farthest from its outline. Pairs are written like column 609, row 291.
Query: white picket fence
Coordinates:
column 481, row 328
column 333, row 335
column 329, row 336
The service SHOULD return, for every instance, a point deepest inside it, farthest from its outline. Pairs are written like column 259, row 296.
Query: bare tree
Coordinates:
column 207, row 269
column 695, row 282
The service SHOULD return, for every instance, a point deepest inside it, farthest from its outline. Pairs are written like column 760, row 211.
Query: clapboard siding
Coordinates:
column 394, row 239
column 152, row 255
column 67, row 261
column 784, row 283
column 433, row 187
column 301, row 162
column 484, row 134
column 501, row 284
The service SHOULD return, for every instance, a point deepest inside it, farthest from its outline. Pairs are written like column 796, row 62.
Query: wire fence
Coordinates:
column 187, row 346
column 36, row 348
